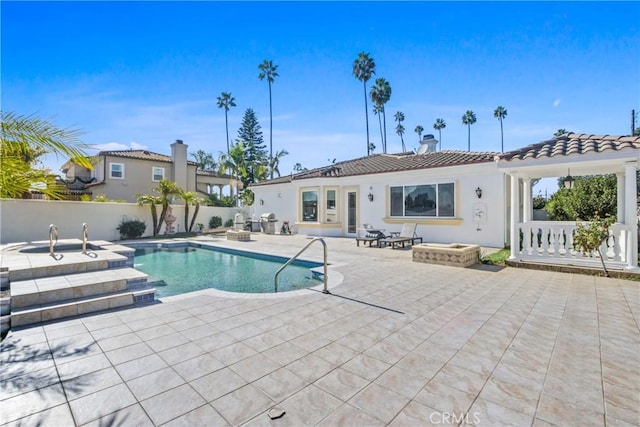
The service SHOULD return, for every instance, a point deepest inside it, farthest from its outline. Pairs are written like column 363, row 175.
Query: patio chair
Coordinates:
column 406, row 235
column 371, row 235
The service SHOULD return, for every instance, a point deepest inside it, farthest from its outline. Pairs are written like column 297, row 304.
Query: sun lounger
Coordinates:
column 406, row 235
column 371, row 235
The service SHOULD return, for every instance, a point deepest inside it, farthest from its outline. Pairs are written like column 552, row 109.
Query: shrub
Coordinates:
column 131, row 228
column 215, row 222
column 228, row 223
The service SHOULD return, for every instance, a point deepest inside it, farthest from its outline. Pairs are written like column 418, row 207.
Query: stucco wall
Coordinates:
column 283, row 200
column 29, row 220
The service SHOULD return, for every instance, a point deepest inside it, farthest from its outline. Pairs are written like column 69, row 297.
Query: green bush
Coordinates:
column 228, row 223
column 131, row 228
column 215, row 222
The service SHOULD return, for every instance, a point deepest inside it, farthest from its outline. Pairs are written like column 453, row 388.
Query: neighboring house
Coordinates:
column 462, row 197
column 123, row 175
column 453, row 196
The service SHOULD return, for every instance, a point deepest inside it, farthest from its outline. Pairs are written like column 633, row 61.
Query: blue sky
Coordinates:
column 142, row 74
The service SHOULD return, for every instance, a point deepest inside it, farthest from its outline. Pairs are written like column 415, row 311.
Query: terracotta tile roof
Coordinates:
column 571, row 144
column 384, row 163
column 213, row 174
column 141, row 155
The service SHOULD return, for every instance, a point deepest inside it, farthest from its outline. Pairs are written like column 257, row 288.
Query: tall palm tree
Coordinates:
column 377, row 111
column 439, row 125
column 226, row 101
column 419, row 129
column 363, row 68
column 500, row 113
column 381, row 94
column 399, row 117
column 468, row 119
column 268, row 71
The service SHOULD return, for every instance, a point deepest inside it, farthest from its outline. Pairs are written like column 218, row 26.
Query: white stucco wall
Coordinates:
column 283, row 200
column 29, row 220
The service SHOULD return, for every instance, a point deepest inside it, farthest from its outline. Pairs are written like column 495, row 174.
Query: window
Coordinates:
column 332, row 214
column 310, row 206
column 431, row 200
column 116, row 170
column 157, row 174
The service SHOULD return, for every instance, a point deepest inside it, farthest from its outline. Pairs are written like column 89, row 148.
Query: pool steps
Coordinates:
column 44, row 289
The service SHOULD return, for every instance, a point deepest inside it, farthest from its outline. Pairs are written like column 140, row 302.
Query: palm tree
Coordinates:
column 268, row 71
column 25, row 138
column 363, row 68
column 560, row 132
column 274, row 166
column 204, row 160
column 377, row 110
column 381, row 94
column 165, row 190
column 153, row 201
column 226, row 101
column 468, row 119
column 190, row 198
column 500, row 113
column 439, row 125
column 399, row 117
column 419, row 129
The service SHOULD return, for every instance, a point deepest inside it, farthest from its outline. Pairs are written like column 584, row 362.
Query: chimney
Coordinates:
column 428, row 144
column 179, row 159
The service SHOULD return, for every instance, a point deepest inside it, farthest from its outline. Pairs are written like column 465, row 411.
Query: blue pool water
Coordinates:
column 187, row 269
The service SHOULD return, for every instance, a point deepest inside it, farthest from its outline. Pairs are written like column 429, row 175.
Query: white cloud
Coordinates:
column 118, row 146
column 557, row 102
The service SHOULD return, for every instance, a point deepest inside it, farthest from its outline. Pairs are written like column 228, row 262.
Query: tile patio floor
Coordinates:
column 509, row 347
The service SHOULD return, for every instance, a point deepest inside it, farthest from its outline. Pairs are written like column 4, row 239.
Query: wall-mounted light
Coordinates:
column 261, row 202
column 479, row 192
column 568, row 180
column 370, row 196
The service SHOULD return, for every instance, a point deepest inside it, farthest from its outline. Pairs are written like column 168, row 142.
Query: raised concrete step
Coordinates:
column 46, row 312
column 48, row 298
column 34, row 266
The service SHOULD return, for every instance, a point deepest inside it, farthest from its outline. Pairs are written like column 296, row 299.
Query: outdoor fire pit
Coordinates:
column 452, row 254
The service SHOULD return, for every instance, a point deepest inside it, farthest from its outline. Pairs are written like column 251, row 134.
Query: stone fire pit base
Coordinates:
column 453, row 254
column 240, row 235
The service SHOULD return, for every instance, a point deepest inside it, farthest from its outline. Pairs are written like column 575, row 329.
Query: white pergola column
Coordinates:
column 630, row 214
column 620, row 199
column 515, row 207
column 526, row 201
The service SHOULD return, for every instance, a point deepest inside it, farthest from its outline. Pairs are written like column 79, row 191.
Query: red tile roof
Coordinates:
column 141, row 155
column 572, row 144
column 384, row 163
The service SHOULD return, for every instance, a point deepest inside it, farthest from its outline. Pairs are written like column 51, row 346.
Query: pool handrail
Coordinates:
column 293, row 258
column 53, row 232
column 85, row 235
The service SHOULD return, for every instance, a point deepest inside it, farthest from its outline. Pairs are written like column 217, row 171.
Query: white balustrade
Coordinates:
column 553, row 242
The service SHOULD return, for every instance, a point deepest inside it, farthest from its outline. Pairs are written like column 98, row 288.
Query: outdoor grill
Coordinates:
column 268, row 223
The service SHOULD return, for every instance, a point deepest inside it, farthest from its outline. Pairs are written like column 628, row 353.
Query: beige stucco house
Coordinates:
column 125, row 174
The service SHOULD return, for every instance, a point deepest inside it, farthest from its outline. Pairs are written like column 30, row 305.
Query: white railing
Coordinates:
column 553, row 242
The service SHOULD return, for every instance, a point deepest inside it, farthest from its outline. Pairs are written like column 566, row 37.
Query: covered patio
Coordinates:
column 571, row 155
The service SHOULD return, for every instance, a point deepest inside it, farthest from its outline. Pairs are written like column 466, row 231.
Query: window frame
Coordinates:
column 111, row 175
column 153, row 173
column 316, row 214
column 437, row 208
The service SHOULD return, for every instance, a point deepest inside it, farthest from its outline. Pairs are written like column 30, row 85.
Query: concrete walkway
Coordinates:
column 397, row 343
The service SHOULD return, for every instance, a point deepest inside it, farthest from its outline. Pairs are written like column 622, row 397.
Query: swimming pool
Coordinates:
column 177, row 270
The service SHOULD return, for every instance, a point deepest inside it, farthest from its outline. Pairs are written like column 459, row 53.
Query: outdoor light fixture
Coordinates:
column 479, row 192
column 261, row 202
column 568, row 181
column 370, row 197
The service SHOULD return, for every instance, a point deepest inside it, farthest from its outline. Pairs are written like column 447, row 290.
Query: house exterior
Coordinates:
column 123, row 175
column 453, row 196
column 464, row 197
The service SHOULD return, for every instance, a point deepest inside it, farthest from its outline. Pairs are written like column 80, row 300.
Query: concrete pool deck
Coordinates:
column 396, row 343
